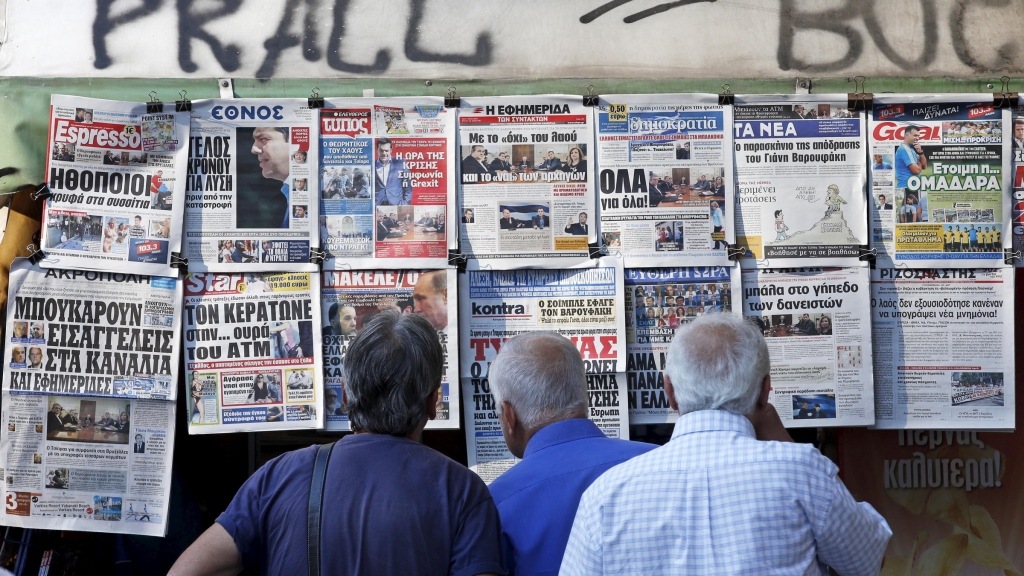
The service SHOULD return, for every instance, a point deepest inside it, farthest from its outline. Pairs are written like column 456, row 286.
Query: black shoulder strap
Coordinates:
column 316, row 501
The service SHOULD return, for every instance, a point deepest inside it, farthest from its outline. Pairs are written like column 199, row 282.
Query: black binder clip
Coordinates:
column 154, row 106
column 451, row 100
column 35, row 256
column 317, row 256
column 315, row 100
column 1011, row 256
column 183, row 105
column 859, row 100
column 41, row 192
column 867, row 254
column 735, row 252
column 180, row 262
column 1004, row 98
column 458, row 260
column 596, row 251
column 590, row 99
column 726, row 98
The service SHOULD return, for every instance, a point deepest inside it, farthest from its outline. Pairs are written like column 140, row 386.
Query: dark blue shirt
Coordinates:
column 391, row 506
column 538, row 497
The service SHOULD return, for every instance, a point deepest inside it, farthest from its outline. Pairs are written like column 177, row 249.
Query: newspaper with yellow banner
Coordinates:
column 940, row 181
column 252, row 352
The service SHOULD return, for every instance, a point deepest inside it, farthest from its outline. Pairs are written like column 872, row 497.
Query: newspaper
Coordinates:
column 665, row 178
column 527, row 183
column 387, row 182
column 584, row 305
column 349, row 299
column 116, row 174
column 81, row 333
column 800, row 178
column 819, row 338
column 943, row 343
column 938, row 184
column 252, row 164
column 96, row 464
column 251, row 358
column 658, row 301
column 1017, row 214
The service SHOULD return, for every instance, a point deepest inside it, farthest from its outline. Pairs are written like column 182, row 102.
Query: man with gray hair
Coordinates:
column 391, row 504
column 735, row 495
column 539, row 385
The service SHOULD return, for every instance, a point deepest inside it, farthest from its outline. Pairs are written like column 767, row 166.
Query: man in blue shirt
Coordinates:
column 539, row 385
column 391, row 505
column 880, row 164
column 910, row 159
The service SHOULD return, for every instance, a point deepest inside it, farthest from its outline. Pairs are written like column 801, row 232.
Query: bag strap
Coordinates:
column 316, row 502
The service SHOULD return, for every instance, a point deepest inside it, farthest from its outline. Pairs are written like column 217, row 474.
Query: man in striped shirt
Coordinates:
column 730, row 493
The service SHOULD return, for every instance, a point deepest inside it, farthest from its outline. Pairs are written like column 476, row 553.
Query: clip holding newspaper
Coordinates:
column 526, row 182
column 800, row 181
column 665, row 179
column 819, row 341
column 584, row 305
column 658, row 302
column 117, row 177
column 96, row 464
column 90, row 333
column 940, row 184
column 349, row 300
column 943, row 342
column 252, row 361
column 252, row 165
column 387, row 183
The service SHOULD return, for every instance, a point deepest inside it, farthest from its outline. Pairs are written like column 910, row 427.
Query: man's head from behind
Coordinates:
column 392, row 371
column 537, row 379
column 717, row 362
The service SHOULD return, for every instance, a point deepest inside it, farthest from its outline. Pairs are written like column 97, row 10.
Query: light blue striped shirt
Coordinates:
column 715, row 500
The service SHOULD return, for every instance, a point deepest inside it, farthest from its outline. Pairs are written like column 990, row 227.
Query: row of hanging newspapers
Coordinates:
column 259, row 185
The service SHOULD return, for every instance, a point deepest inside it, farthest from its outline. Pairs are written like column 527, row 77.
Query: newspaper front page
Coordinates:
column 1017, row 213
column 117, row 177
column 665, row 178
column 252, row 361
column 252, row 167
column 350, row 299
column 387, row 182
column 584, row 305
column 90, row 463
column 801, row 181
column 81, row 333
column 819, row 338
column 943, row 342
column 938, row 178
column 526, row 182
column 658, row 302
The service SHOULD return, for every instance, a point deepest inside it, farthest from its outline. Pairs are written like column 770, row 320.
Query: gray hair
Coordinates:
column 391, row 368
column 718, row 362
column 541, row 374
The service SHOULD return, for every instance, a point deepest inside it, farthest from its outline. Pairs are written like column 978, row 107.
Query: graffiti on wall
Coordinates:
column 796, row 37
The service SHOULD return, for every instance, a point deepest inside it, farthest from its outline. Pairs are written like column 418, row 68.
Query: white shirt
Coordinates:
column 715, row 500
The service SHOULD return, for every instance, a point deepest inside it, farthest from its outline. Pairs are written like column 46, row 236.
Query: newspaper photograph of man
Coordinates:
column 801, row 324
column 74, row 231
column 263, row 194
column 807, row 406
column 523, row 163
column 73, row 419
column 392, row 185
